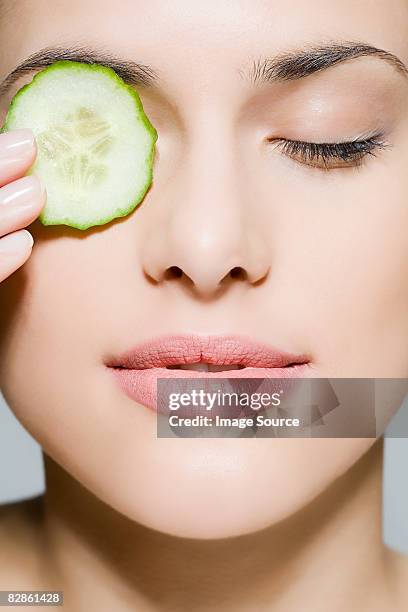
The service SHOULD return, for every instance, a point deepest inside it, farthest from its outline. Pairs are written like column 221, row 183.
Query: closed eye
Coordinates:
column 330, row 155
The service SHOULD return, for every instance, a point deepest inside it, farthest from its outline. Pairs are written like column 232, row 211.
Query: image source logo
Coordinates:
column 283, row 408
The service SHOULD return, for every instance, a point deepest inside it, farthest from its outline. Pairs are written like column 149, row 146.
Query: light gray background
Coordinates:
column 21, row 472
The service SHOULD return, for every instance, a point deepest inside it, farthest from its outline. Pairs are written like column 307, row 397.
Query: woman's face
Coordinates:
column 321, row 243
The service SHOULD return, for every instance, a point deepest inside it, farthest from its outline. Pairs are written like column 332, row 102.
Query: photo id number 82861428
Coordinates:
column 31, row 598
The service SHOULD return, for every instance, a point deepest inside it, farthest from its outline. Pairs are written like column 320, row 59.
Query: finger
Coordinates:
column 17, row 154
column 15, row 249
column 20, row 203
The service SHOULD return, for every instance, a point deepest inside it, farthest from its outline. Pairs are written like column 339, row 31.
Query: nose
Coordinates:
column 201, row 231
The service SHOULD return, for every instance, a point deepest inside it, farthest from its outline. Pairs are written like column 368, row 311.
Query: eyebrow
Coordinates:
column 131, row 72
column 300, row 63
column 286, row 66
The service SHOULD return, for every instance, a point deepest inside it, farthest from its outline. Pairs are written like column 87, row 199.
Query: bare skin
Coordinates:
column 130, row 521
column 69, row 538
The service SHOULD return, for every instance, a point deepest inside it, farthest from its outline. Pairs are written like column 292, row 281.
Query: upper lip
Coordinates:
column 184, row 349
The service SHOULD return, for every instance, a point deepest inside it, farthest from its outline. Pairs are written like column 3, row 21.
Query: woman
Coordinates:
column 278, row 215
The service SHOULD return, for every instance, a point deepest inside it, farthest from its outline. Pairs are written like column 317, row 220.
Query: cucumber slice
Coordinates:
column 95, row 143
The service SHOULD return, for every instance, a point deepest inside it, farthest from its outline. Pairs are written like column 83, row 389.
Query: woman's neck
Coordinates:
column 329, row 556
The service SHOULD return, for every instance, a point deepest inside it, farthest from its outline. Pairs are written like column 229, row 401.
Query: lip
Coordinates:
column 137, row 370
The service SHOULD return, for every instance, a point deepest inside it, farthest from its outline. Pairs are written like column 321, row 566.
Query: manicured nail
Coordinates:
column 23, row 193
column 16, row 143
column 14, row 244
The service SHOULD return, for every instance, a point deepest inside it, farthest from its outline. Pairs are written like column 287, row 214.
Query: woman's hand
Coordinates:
column 21, row 199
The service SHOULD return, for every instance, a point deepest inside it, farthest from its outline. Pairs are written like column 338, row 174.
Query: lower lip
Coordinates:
column 141, row 385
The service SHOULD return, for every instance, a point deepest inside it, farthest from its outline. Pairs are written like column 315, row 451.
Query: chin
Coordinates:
column 213, row 489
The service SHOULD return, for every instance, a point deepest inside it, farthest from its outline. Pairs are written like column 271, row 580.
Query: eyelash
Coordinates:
column 327, row 156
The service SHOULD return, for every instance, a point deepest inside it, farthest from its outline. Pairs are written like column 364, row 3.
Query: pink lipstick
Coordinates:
column 199, row 356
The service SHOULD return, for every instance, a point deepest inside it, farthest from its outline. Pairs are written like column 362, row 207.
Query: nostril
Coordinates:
column 173, row 272
column 238, row 273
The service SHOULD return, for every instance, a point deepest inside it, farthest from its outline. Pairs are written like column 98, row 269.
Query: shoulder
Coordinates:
column 20, row 549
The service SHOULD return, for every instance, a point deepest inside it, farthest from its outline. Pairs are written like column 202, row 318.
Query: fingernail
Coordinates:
column 22, row 193
column 16, row 142
column 13, row 244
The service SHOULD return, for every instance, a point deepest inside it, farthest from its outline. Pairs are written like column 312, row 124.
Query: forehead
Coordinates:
column 184, row 38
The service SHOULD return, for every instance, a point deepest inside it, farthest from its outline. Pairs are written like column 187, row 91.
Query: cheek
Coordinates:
column 341, row 262
column 372, row 272
column 51, row 309
column 69, row 305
